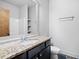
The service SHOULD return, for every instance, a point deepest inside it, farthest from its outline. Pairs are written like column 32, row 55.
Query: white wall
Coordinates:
column 44, row 17
column 65, row 33
column 23, row 19
column 14, row 17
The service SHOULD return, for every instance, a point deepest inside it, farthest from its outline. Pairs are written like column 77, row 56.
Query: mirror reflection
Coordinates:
column 18, row 17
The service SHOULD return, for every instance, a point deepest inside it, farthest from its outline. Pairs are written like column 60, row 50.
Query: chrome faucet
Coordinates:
column 23, row 38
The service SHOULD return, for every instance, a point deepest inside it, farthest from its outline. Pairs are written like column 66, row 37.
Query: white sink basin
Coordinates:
column 28, row 42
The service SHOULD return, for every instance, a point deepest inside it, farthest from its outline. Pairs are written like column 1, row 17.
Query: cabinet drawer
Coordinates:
column 35, row 50
column 48, row 43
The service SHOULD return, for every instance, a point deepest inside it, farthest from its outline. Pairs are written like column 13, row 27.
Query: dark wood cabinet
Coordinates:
column 35, row 51
column 21, row 56
column 35, row 57
column 45, row 54
column 41, row 51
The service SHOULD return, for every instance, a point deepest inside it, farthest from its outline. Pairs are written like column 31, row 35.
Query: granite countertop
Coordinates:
column 10, row 50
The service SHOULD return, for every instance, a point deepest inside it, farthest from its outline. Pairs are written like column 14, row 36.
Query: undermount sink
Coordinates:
column 28, row 42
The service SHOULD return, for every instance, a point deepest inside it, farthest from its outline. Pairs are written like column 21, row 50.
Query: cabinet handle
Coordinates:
column 37, row 58
column 40, row 55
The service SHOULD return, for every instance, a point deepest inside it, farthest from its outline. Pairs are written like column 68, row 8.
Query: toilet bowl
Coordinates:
column 55, row 50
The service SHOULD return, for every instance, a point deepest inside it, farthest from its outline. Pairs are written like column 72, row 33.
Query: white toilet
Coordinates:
column 54, row 51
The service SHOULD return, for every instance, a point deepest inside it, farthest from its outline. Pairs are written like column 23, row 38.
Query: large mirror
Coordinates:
column 18, row 17
column 33, row 17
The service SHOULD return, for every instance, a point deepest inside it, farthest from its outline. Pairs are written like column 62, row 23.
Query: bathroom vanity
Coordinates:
column 34, row 50
column 40, row 51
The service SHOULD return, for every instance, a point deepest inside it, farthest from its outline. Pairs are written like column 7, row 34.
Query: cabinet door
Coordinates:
column 22, row 56
column 35, row 50
column 36, row 57
column 45, row 54
column 4, row 22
